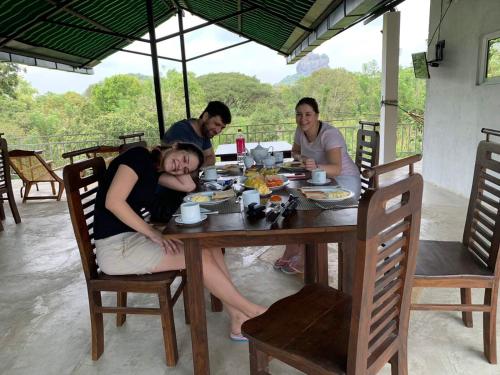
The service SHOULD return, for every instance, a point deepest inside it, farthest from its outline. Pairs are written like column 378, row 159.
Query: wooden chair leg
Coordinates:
column 121, row 301
column 37, row 189
column 399, row 363
column 61, row 189
column 96, row 325
column 27, row 191
column 490, row 325
column 1, row 226
column 2, row 211
column 259, row 361
column 53, row 186
column 13, row 206
column 466, row 299
column 185, row 299
column 215, row 303
column 167, row 323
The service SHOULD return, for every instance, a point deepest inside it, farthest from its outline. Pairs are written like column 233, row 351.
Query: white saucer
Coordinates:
column 327, row 181
column 209, row 180
column 178, row 220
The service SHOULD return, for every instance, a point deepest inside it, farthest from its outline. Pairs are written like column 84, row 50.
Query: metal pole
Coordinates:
column 156, row 71
column 184, row 68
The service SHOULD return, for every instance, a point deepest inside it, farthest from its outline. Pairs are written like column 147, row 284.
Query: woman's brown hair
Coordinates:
column 157, row 152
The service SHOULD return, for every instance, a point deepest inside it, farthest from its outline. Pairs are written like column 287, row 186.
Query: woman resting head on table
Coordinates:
column 126, row 244
column 319, row 145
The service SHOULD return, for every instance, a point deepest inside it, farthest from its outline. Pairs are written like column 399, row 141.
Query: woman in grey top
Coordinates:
column 319, row 145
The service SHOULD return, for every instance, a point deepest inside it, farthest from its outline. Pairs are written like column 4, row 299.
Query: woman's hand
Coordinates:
column 310, row 164
column 170, row 245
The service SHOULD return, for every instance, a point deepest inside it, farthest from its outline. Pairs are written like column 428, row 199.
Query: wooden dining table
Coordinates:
column 315, row 228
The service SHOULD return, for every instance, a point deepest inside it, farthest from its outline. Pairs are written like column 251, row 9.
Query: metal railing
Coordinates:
column 409, row 138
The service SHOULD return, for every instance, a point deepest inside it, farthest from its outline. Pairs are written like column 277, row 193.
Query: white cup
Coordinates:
column 190, row 212
column 269, row 162
column 210, row 173
column 248, row 161
column 318, row 176
column 249, row 197
column 278, row 156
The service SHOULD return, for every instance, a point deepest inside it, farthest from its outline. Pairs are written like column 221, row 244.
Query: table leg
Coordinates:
column 316, row 264
column 347, row 257
column 199, row 339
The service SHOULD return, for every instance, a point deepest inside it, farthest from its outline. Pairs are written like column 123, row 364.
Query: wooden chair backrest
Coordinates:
column 124, row 137
column 84, row 174
column 107, row 152
column 375, row 172
column 482, row 226
column 5, row 181
column 367, row 150
column 388, row 232
column 127, row 146
column 30, row 166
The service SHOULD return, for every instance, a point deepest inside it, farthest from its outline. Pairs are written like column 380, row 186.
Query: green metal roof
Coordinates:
column 62, row 34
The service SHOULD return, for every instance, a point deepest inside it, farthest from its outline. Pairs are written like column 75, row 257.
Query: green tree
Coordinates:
column 240, row 92
column 9, row 79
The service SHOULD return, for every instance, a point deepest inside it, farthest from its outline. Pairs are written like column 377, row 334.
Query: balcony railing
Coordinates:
column 409, row 138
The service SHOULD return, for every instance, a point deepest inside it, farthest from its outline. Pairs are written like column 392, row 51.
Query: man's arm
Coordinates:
column 209, row 156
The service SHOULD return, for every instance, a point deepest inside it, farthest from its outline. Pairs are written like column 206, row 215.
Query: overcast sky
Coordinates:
column 349, row 50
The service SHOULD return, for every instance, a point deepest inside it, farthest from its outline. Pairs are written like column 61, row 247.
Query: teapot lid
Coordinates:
column 259, row 147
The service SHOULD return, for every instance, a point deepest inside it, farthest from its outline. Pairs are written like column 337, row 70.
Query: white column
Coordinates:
column 389, row 87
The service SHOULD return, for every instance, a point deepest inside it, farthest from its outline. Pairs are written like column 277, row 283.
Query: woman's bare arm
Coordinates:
column 116, row 202
column 334, row 166
column 180, row 183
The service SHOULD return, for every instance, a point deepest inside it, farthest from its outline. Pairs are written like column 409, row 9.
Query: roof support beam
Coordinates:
column 278, row 15
column 81, row 16
column 156, row 70
column 218, row 50
column 98, row 31
column 208, row 23
column 37, row 20
column 184, row 66
column 146, row 54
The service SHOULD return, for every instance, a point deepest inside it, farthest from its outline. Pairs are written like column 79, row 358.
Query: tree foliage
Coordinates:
column 126, row 103
column 9, row 79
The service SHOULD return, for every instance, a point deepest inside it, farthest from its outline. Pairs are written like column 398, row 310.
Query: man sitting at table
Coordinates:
column 211, row 122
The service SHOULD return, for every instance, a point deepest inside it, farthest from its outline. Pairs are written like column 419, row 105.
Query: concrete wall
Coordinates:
column 457, row 108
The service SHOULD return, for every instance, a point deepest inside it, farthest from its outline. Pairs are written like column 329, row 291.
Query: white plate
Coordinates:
column 327, row 181
column 328, row 190
column 179, row 221
column 274, row 188
column 211, row 202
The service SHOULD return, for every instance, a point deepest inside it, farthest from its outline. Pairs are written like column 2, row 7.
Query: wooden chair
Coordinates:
column 126, row 145
column 6, row 184
column 321, row 330
column 473, row 262
column 81, row 205
column 32, row 169
column 108, row 153
column 367, row 150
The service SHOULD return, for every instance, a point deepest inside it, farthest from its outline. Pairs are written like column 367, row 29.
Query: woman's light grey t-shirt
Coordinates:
column 327, row 139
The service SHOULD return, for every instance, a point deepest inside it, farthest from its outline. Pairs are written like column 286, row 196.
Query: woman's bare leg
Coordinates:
column 292, row 250
column 237, row 317
column 219, row 284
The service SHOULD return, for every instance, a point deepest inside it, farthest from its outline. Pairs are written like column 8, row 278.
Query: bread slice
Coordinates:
column 223, row 194
column 311, row 194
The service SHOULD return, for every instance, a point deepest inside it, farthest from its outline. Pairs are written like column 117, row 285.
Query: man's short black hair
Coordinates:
column 217, row 108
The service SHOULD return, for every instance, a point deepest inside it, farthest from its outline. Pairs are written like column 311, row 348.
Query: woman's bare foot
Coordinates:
column 237, row 320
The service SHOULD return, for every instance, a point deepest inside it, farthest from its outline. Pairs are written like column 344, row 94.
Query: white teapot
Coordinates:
column 259, row 153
